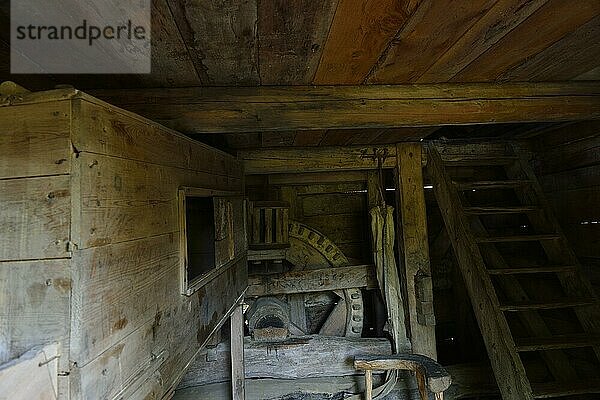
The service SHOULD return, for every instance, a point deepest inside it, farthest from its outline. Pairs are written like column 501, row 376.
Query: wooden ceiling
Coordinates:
column 342, row 42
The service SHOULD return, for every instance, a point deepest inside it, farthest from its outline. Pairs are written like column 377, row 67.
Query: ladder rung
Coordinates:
column 545, row 305
column 517, row 238
column 491, row 184
column 566, row 388
column 499, row 210
column 557, row 342
column 532, row 270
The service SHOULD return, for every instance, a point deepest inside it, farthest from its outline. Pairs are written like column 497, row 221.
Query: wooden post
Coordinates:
column 237, row 353
column 412, row 233
column 368, row 384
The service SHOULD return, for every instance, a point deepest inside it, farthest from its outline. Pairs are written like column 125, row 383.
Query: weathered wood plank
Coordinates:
column 501, row 18
column 163, row 344
column 102, row 129
column 33, row 375
column 292, row 35
column 417, row 46
column 542, row 29
column 316, row 280
column 35, row 218
column 293, row 359
column 237, row 353
column 304, row 160
column 221, row 36
column 357, row 39
column 569, row 57
column 124, row 199
column 34, row 140
column 196, row 110
column 34, row 305
column 412, row 226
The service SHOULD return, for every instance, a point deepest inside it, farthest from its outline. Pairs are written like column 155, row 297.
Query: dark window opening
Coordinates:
column 200, row 226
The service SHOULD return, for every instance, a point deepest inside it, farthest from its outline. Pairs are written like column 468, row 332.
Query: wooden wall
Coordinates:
column 568, row 165
column 35, row 198
column 132, row 330
column 89, row 247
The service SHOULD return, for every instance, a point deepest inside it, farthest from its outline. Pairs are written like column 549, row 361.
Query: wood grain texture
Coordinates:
column 418, row 44
column 237, row 353
column 412, row 228
column 221, row 37
column 358, row 35
column 292, row 35
column 35, row 218
column 197, row 110
column 317, row 280
column 500, row 19
column 547, row 25
column 294, row 359
column 34, row 305
column 322, row 159
column 574, row 54
column 35, row 140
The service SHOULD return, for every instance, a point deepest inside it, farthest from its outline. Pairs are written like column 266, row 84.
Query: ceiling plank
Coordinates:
column 261, row 109
column 360, row 32
column 573, row 55
column 431, row 31
column 397, row 135
column 171, row 62
column 503, row 17
column 221, row 37
column 547, row 25
column 278, row 139
column 291, row 39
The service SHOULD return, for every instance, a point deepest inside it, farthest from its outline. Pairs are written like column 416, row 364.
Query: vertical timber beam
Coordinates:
column 412, row 231
column 237, row 353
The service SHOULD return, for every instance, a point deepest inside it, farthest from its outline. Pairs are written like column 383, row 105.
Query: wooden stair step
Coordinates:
column 545, row 305
column 506, row 184
column 557, row 342
column 569, row 388
column 532, row 270
column 517, row 238
column 499, row 210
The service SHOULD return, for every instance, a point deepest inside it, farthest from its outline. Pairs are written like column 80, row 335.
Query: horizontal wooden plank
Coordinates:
column 162, row 345
column 116, row 288
column 35, row 217
column 34, row 305
column 557, row 342
column 316, row 280
column 101, row 129
column 226, row 110
column 125, row 199
column 34, row 140
column 292, row 359
column 320, row 159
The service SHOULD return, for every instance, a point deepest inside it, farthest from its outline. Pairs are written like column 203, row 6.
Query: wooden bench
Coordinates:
column 431, row 376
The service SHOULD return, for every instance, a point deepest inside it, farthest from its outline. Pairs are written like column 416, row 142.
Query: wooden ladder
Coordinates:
column 536, row 310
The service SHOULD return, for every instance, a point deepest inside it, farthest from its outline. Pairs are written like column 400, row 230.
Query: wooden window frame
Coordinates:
column 189, row 288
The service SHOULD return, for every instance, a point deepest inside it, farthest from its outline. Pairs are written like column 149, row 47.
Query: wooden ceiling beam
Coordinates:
column 259, row 109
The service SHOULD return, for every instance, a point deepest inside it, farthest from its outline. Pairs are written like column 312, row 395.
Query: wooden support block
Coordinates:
column 237, row 353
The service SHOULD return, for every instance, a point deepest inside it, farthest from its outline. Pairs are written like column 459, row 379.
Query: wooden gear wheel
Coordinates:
column 310, row 249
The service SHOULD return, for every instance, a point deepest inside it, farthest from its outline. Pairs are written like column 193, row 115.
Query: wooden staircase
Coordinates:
column 537, row 312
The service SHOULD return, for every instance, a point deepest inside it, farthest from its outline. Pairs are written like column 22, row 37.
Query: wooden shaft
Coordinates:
column 369, row 384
